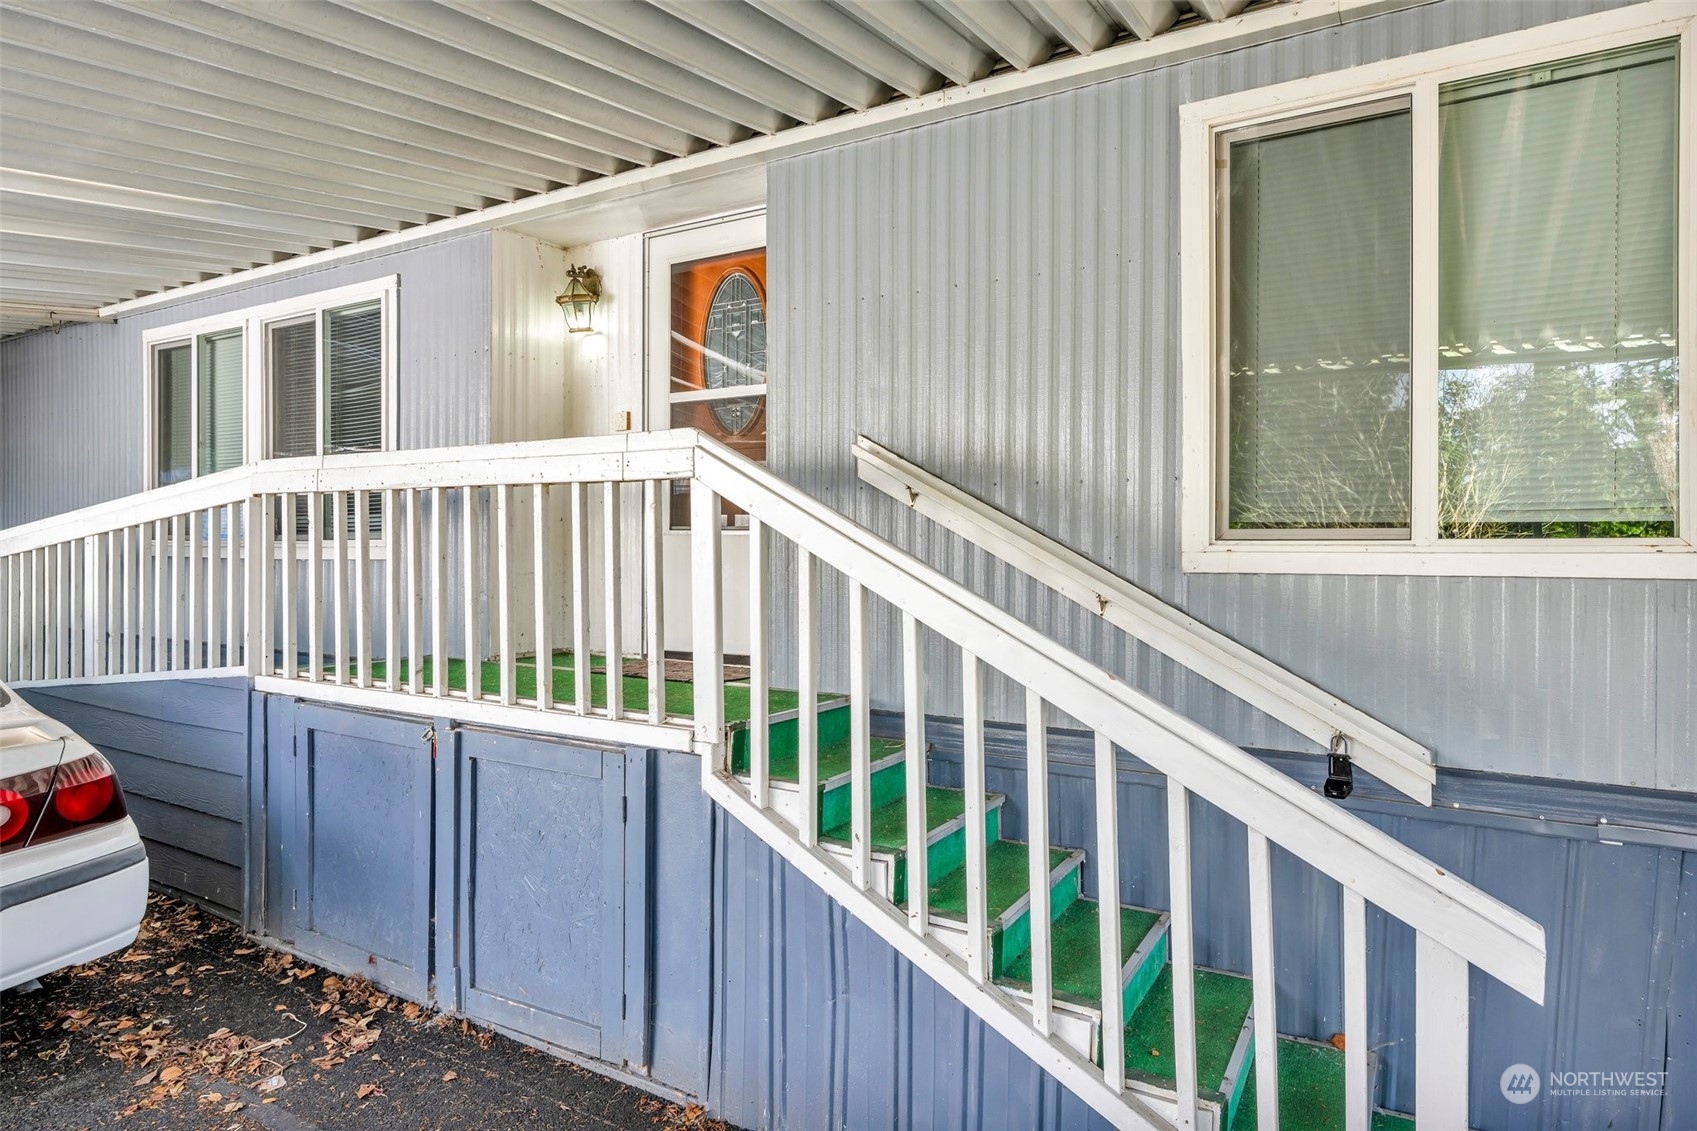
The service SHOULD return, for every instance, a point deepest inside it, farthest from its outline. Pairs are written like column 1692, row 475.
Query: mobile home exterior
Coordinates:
column 978, row 422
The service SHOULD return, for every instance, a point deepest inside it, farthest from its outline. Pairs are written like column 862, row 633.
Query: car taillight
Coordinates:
column 14, row 814
column 69, row 797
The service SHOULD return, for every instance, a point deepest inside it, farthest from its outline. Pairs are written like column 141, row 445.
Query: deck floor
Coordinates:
column 680, row 694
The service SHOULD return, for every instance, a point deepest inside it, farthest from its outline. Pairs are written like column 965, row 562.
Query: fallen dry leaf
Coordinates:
column 365, row 1090
column 449, row 1077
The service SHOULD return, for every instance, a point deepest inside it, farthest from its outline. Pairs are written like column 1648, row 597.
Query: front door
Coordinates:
column 706, row 326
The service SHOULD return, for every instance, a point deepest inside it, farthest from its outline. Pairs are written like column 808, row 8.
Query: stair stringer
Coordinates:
column 1008, row 1017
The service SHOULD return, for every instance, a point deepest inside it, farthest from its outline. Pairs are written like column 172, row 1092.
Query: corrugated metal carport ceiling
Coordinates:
column 146, row 144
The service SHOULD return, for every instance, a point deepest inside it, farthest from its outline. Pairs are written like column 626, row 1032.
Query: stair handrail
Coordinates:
column 1468, row 921
column 1389, row 755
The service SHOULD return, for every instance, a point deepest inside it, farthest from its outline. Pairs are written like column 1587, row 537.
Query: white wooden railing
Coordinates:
column 1394, row 758
column 428, row 555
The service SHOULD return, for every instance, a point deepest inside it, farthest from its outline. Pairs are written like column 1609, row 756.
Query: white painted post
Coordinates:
column 439, row 554
column 977, row 851
column 918, row 792
column 544, row 649
column 76, row 624
column 860, row 738
column 807, row 681
column 581, row 662
column 176, row 637
column 134, row 543
column 194, row 531
column 156, row 554
column 759, row 703
column 654, row 584
column 257, row 525
column 610, row 571
column 707, row 629
column 396, row 554
column 101, row 619
column 1182, row 935
column 339, row 585
column 287, row 568
column 1263, row 973
column 1108, row 939
column 249, row 587
column 1358, row 1105
column 362, row 588
column 415, row 591
column 215, row 576
column 1440, row 1036
column 1037, row 860
column 469, row 561
column 314, row 586
column 504, row 591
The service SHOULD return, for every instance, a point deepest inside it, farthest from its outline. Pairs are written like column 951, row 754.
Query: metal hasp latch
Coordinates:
column 1340, row 776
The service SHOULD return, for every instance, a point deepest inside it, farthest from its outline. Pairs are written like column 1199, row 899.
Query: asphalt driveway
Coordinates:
column 197, row 1028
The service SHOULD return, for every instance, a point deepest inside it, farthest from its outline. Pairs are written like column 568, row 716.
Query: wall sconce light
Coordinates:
column 577, row 301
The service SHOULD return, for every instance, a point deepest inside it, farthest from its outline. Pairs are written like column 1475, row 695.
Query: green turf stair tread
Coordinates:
column 889, row 821
column 1007, row 879
column 1076, row 947
column 1311, row 1095
column 1222, row 1003
column 835, row 759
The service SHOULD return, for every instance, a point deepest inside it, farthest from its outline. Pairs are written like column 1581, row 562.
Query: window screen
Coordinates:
column 1318, row 384
column 173, row 413
column 1559, row 373
column 219, row 384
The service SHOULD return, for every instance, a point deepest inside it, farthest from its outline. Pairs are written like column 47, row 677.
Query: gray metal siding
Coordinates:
column 180, row 748
column 71, row 427
column 996, row 298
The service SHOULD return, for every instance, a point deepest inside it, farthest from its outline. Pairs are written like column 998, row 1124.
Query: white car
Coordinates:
column 73, row 872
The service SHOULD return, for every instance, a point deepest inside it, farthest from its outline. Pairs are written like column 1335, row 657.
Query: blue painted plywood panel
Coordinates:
column 543, row 868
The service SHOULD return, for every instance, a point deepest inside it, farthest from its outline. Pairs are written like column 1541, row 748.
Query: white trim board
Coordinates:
column 734, row 177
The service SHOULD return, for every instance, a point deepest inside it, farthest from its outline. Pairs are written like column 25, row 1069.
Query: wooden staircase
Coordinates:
column 1311, row 1074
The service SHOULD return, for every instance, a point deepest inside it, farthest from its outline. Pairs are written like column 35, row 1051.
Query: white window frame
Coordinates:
column 1204, row 549
column 254, row 322
column 183, row 334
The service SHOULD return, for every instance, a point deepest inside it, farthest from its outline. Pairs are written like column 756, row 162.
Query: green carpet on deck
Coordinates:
column 1007, row 879
column 1310, row 1092
column 889, row 821
column 1222, row 1002
column 1076, row 945
column 680, row 696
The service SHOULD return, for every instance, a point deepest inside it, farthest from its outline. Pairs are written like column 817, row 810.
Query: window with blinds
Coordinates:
column 1318, row 400
column 1552, row 372
column 198, row 413
column 1559, row 378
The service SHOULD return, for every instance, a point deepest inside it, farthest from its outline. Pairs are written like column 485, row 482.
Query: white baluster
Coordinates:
column 314, row 586
column 544, row 649
column 156, row 557
column 249, row 585
column 214, row 586
column 339, row 584
column 504, row 591
column 176, row 551
column 977, row 852
column 1358, row 1104
column 581, row 663
column 807, row 681
column 439, row 555
column 470, row 582
column 654, row 585
column 362, row 587
column 1108, row 911
column 396, row 554
column 1037, row 860
column 860, row 738
column 194, row 533
column 1440, row 1036
column 918, row 817
column 610, row 611
column 415, row 591
column 759, row 704
column 287, row 570
column 1182, row 936
column 707, row 635
column 1263, row 971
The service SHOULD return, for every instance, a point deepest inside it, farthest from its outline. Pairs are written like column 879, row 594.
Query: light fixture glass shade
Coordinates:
column 577, row 301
